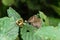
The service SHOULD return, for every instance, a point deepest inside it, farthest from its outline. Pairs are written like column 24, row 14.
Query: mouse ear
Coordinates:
column 31, row 19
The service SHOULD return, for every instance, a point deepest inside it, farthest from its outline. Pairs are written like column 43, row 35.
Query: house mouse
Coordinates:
column 35, row 21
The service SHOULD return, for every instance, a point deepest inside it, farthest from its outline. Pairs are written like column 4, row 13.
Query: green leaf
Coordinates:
column 49, row 33
column 46, row 33
column 44, row 17
column 13, row 13
column 28, row 32
column 53, row 21
column 58, row 24
column 57, row 9
column 8, row 29
column 8, row 2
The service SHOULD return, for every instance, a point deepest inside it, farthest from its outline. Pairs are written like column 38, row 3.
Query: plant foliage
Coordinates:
column 9, row 29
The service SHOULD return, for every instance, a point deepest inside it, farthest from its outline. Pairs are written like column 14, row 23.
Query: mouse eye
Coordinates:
column 29, row 23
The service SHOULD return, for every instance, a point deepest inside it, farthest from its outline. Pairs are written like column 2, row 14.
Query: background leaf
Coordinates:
column 8, row 2
column 57, row 9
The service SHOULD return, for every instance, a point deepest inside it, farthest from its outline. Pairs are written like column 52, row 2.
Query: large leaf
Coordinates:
column 8, row 29
column 13, row 13
column 49, row 33
column 28, row 31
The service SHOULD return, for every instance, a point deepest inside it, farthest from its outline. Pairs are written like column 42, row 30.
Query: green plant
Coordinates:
column 9, row 30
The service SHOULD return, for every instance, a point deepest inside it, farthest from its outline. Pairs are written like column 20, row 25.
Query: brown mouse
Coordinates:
column 35, row 21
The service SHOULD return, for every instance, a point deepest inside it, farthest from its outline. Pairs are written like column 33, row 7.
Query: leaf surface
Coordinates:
column 8, row 29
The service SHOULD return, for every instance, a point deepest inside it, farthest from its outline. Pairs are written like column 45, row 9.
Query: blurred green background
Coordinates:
column 27, row 8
